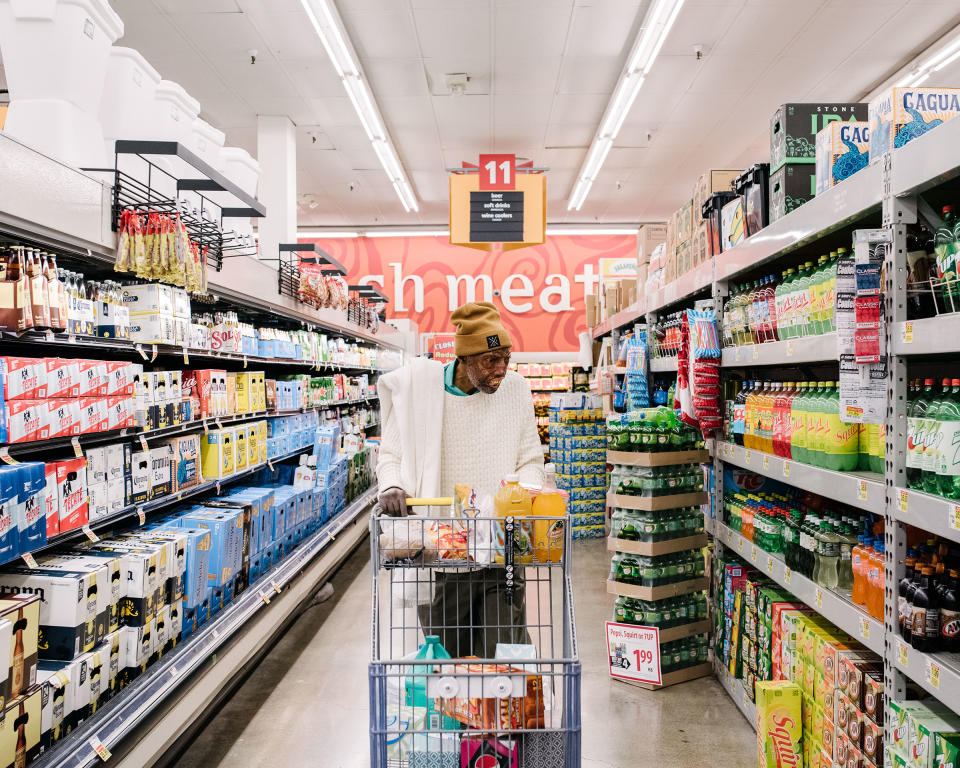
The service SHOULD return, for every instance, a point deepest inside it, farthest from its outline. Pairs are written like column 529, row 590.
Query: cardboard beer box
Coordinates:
column 843, row 148
column 149, row 298
column 27, row 420
column 94, row 381
column 779, row 724
column 140, row 476
column 901, row 115
column 23, row 377
column 20, row 729
column 185, row 462
column 93, row 415
column 55, row 708
column 109, row 586
column 72, row 493
column 31, row 500
column 63, row 377
column 122, row 377
column 794, row 127
column 791, row 186
column 22, row 611
column 711, row 181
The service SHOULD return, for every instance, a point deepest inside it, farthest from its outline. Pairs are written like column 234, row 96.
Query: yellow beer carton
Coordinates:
column 253, row 450
column 901, row 115
column 843, row 148
column 217, row 454
column 779, row 724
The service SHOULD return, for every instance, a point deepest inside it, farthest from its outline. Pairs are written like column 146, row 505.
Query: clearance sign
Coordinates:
column 539, row 290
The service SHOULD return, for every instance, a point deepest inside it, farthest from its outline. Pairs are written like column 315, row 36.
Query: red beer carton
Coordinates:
column 120, row 411
column 27, row 420
column 93, row 415
column 63, row 415
column 93, row 378
column 24, row 378
column 72, row 493
column 63, row 377
column 121, row 377
column 52, row 501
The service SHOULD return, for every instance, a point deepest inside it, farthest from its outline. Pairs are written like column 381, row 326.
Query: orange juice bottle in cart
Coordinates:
column 513, row 500
column 548, row 535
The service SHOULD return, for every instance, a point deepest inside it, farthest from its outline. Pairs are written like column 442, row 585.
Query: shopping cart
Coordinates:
column 485, row 591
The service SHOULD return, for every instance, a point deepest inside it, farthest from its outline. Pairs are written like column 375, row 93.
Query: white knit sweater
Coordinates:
column 487, row 437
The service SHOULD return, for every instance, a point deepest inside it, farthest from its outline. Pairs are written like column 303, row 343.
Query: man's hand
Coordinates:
column 393, row 502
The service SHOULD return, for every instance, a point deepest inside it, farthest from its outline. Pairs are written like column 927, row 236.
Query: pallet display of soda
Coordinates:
column 657, row 539
column 577, row 448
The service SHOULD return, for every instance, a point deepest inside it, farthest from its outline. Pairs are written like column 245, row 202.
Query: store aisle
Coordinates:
column 306, row 703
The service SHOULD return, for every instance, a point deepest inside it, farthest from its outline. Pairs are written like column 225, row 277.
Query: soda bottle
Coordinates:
column 905, row 603
column 766, row 417
column 748, row 418
column 814, row 442
column 857, row 558
column 829, row 297
column 840, row 438
column 950, row 614
column 779, row 304
column 772, row 319
column 921, row 266
column 814, row 295
column 876, row 579
column 916, row 414
column 548, row 535
column 513, row 500
column 845, row 564
column 945, row 254
column 781, row 429
column 948, row 462
column 739, row 409
column 932, row 439
column 925, row 616
column 798, row 424
column 803, row 294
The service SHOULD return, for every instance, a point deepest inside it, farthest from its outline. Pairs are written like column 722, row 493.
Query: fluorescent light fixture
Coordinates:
column 326, row 234
column 410, row 233
column 327, row 24
column 600, row 231
column 656, row 25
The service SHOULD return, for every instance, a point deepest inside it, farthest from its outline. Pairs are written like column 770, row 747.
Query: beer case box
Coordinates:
column 94, row 381
column 22, row 611
column 109, row 584
column 900, row 712
column 23, row 377
column 140, row 475
column 239, row 448
column 843, row 148
column 137, row 645
column 900, row 115
column 794, row 127
column 196, row 564
column 649, row 236
column 184, row 453
column 20, row 730
column 873, row 742
column 230, row 407
column 149, row 298
column 72, row 493
column 708, row 182
column 55, row 702
column 63, row 377
column 791, row 186
column 93, row 415
column 121, row 411
column 160, row 471
column 221, row 563
column 51, row 500
column 26, row 420
column 98, row 502
column 732, row 229
column 152, row 329
column 121, row 377
column 779, row 723
column 700, row 248
column 683, row 228
column 253, row 445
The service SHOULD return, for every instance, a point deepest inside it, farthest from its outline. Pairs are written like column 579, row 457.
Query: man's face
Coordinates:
column 486, row 371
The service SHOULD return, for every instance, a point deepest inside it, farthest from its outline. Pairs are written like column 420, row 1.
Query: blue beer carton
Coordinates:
column 9, row 514
column 31, row 499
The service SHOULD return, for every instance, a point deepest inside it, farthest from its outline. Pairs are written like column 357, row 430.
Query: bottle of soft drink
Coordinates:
column 798, row 424
column 948, row 462
column 815, row 295
column 749, row 416
column 876, row 579
column 814, row 412
column 828, row 322
column 932, row 439
column 916, row 419
column 781, row 419
column 780, row 305
column 848, row 541
column 905, row 603
column 771, row 318
column 945, row 253
column 925, row 618
column 841, row 439
column 802, row 300
column 739, row 411
column 860, row 558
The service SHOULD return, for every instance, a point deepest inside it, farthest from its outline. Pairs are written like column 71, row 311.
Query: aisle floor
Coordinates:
column 306, row 703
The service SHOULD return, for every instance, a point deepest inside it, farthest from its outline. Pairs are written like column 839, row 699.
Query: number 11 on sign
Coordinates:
column 497, row 172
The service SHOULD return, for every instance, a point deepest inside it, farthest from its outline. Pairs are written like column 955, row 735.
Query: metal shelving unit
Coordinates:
column 736, row 692
column 864, row 490
column 206, row 661
column 663, row 364
column 808, row 349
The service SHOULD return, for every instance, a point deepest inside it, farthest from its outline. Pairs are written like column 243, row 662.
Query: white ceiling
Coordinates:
column 541, row 74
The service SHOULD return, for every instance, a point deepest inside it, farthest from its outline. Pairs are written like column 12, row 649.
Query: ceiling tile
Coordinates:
column 526, row 75
column 198, row 6
column 579, row 108
column 603, row 29
column 590, row 74
column 452, row 32
column 577, row 135
column 383, row 34
column 396, row 77
column 521, row 26
column 289, row 35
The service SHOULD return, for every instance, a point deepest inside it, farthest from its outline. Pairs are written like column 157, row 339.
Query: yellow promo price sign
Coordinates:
column 498, row 202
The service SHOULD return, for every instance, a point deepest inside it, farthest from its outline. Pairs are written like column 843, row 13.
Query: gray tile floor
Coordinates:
column 306, row 702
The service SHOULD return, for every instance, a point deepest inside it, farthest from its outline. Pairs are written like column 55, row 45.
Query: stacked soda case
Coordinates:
column 933, row 421
column 773, row 643
column 800, row 420
column 578, row 449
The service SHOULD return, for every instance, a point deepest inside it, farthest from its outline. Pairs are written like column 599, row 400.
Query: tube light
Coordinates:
column 411, row 233
column 947, row 62
column 600, row 231
column 327, row 24
column 325, row 234
column 654, row 30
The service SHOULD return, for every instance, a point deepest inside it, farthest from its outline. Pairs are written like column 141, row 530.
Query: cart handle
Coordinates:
column 442, row 501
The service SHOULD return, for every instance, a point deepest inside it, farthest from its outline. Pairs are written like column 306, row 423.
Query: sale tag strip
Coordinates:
column 933, row 674
column 756, row 351
column 819, row 598
column 746, row 456
column 102, row 752
column 30, row 560
column 903, row 500
column 753, row 553
column 77, row 450
column 153, row 350
column 786, row 469
column 139, row 348
column 902, row 653
column 218, row 487
column 265, row 598
column 270, row 464
column 173, row 671
column 862, row 489
column 864, row 628
column 49, row 335
column 6, row 457
column 141, row 515
column 787, row 573
column 275, row 587
column 88, row 532
column 789, row 347
column 770, row 563
column 244, row 361
column 186, row 357
column 766, row 462
column 908, row 332
column 143, row 444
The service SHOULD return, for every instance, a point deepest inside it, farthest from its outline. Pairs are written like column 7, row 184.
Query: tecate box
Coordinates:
column 72, row 493
column 27, row 420
column 901, row 115
column 779, row 724
column 51, row 500
column 63, row 377
column 794, row 127
column 94, row 381
column 120, row 411
column 23, row 377
column 93, row 414
column 9, row 513
column 842, row 150
column 122, row 376
column 63, row 417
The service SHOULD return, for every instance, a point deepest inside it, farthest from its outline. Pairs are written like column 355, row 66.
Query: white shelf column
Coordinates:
column 277, row 155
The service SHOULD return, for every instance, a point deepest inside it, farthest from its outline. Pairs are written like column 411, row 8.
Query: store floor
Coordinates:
column 306, row 703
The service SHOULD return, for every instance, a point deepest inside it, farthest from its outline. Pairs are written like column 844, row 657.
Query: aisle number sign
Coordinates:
column 633, row 652
column 495, row 204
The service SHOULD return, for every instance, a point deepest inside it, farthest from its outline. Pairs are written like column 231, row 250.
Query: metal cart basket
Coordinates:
column 491, row 594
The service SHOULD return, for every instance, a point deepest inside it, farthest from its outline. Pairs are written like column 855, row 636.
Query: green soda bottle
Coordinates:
column 841, row 439
column 863, row 448
column 798, row 424
column 932, row 438
column 916, row 410
column 815, row 296
column 948, row 463
column 814, row 425
column 945, row 253
column 878, row 445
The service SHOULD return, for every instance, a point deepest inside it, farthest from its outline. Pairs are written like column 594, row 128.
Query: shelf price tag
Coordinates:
column 88, row 532
column 206, row 427
column 218, row 423
column 908, row 332
column 786, row 469
column 737, row 354
column 787, row 574
column 766, row 462
column 746, row 456
column 143, row 444
column 153, row 352
column 186, row 357
column 903, row 500
column 756, row 351
column 789, row 347
column 173, row 672
column 862, row 490
column 740, row 544
column 218, row 487
column 6, row 457
column 77, row 450
column 819, row 598
column 770, row 563
column 955, row 517
column 102, row 752
column 30, row 560
column 902, row 653
column 139, row 348
column 275, row 587
column 244, row 361
column 753, row 553
column 933, row 674
column 864, row 628
column 141, row 515
column 265, row 598
column 49, row 335
column 270, row 464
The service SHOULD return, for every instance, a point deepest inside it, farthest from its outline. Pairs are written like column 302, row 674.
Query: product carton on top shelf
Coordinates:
column 843, row 148
column 790, row 187
column 649, row 237
column 794, row 127
column 683, row 226
column 709, row 182
column 22, row 611
column 901, row 115
column 149, row 298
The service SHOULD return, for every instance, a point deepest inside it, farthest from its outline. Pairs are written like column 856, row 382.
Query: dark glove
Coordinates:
column 393, row 502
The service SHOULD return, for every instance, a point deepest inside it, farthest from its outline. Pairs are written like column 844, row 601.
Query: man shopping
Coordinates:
column 470, row 422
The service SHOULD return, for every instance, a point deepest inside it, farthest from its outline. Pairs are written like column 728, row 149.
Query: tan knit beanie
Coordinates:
column 478, row 329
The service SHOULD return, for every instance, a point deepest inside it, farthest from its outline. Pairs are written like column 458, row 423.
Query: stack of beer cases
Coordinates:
column 159, row 314
column 52, row 397
column 21, row 685
column 578, row 449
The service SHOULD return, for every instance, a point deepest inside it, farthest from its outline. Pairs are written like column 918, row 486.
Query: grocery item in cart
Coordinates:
column 491, row 712
column 513, row 500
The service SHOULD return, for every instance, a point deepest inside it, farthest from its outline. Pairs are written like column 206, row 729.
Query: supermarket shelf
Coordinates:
column 372, row 424
column 832, row 605
column 684, row 287
column 931, row 513
column 927, row 161
column 826, row 213
column 133, row 511
column 936, row 673
column 931, row 336
column 709, row 525
column 809, row 349
column 663, row 364
column 737, row 692
column 864, row 490
column 230, row 641
column 631, row 314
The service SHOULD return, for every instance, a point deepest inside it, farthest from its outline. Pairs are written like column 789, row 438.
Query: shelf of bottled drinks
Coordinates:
column 775, row 296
